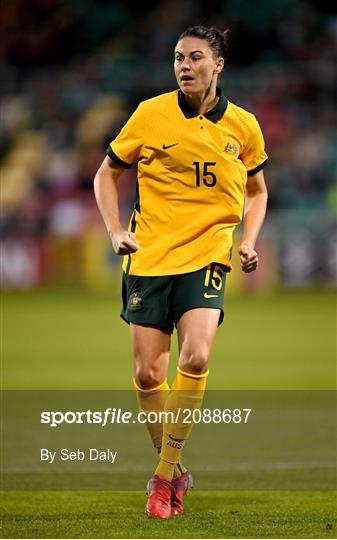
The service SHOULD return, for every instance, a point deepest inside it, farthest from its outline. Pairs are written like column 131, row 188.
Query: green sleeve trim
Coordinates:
column 258, row 168
column 116, row 159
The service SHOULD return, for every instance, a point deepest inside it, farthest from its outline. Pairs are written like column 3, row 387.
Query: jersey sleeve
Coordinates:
column 125, row 149
column 254, row 155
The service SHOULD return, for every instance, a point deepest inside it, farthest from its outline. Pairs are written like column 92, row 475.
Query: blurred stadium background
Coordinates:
column 72, row 73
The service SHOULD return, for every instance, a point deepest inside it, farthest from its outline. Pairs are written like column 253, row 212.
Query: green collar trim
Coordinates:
column 214, row 115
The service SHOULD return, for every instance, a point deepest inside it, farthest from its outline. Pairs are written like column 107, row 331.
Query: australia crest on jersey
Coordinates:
column 231, row 148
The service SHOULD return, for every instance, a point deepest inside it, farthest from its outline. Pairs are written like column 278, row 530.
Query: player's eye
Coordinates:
column 179, row 58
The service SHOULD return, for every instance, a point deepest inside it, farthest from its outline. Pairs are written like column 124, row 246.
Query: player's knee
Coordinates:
column 194, row 361
column 147, row 378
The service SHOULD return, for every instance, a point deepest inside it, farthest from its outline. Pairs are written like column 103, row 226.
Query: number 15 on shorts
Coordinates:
column 214, row 277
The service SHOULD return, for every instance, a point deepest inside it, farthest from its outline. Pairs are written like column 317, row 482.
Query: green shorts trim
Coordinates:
column 162, row 300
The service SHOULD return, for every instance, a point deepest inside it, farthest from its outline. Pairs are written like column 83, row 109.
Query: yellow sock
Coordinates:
column 179, row 469
column 153, row 400
column 186, row 394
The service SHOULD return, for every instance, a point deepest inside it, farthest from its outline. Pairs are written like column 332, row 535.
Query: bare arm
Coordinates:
column 106, row 193
column 255, row 210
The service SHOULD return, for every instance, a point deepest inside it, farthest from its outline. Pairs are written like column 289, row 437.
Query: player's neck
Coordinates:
column 203, row 101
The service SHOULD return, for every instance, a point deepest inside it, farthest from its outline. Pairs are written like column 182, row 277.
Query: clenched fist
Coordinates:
column 124, row 242
column 248, row 257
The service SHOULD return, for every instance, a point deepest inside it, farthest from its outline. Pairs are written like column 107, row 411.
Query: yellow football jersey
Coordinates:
column 191, row 176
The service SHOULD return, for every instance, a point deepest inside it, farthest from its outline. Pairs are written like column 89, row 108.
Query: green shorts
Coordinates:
column 162, row 300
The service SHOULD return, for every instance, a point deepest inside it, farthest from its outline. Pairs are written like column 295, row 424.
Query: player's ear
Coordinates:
column 220, row 62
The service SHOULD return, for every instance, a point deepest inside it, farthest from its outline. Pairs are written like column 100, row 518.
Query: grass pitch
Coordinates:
column 71, row 339
column 208, row 515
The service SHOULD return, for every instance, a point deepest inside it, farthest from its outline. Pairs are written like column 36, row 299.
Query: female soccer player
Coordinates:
column 199, row 166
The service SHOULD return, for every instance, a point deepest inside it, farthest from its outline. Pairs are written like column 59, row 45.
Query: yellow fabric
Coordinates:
column 186, row 394
column 165, row 469
column 153, row 400
column 180, row 226
column 162, row 386
column 188, row 381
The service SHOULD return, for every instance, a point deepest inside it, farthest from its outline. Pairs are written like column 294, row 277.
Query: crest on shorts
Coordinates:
column 231, row 148
column 135, row 301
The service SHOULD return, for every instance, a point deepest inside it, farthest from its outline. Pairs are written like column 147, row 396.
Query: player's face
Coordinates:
column 194, row 65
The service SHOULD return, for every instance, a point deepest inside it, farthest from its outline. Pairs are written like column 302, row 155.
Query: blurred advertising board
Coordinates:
column 296, row 249
column 22, row 263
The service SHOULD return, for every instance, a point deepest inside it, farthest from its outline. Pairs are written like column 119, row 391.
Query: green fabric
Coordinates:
column 162, row 300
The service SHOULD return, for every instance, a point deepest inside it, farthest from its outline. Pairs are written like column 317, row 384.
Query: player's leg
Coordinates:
column 151, row 348
column 197, row 311
column 197, row 300
column 151, row 330
column 151, row 351
column 196, row 332
column 146, row 308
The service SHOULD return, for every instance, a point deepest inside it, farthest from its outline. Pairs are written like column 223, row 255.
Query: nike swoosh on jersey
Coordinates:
column 166, row 146
column 206, row 295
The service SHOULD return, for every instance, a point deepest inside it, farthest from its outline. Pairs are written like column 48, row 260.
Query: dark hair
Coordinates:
column 216, row 39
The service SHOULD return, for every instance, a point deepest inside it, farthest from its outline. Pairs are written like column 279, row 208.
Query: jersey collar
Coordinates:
column 214, row 114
